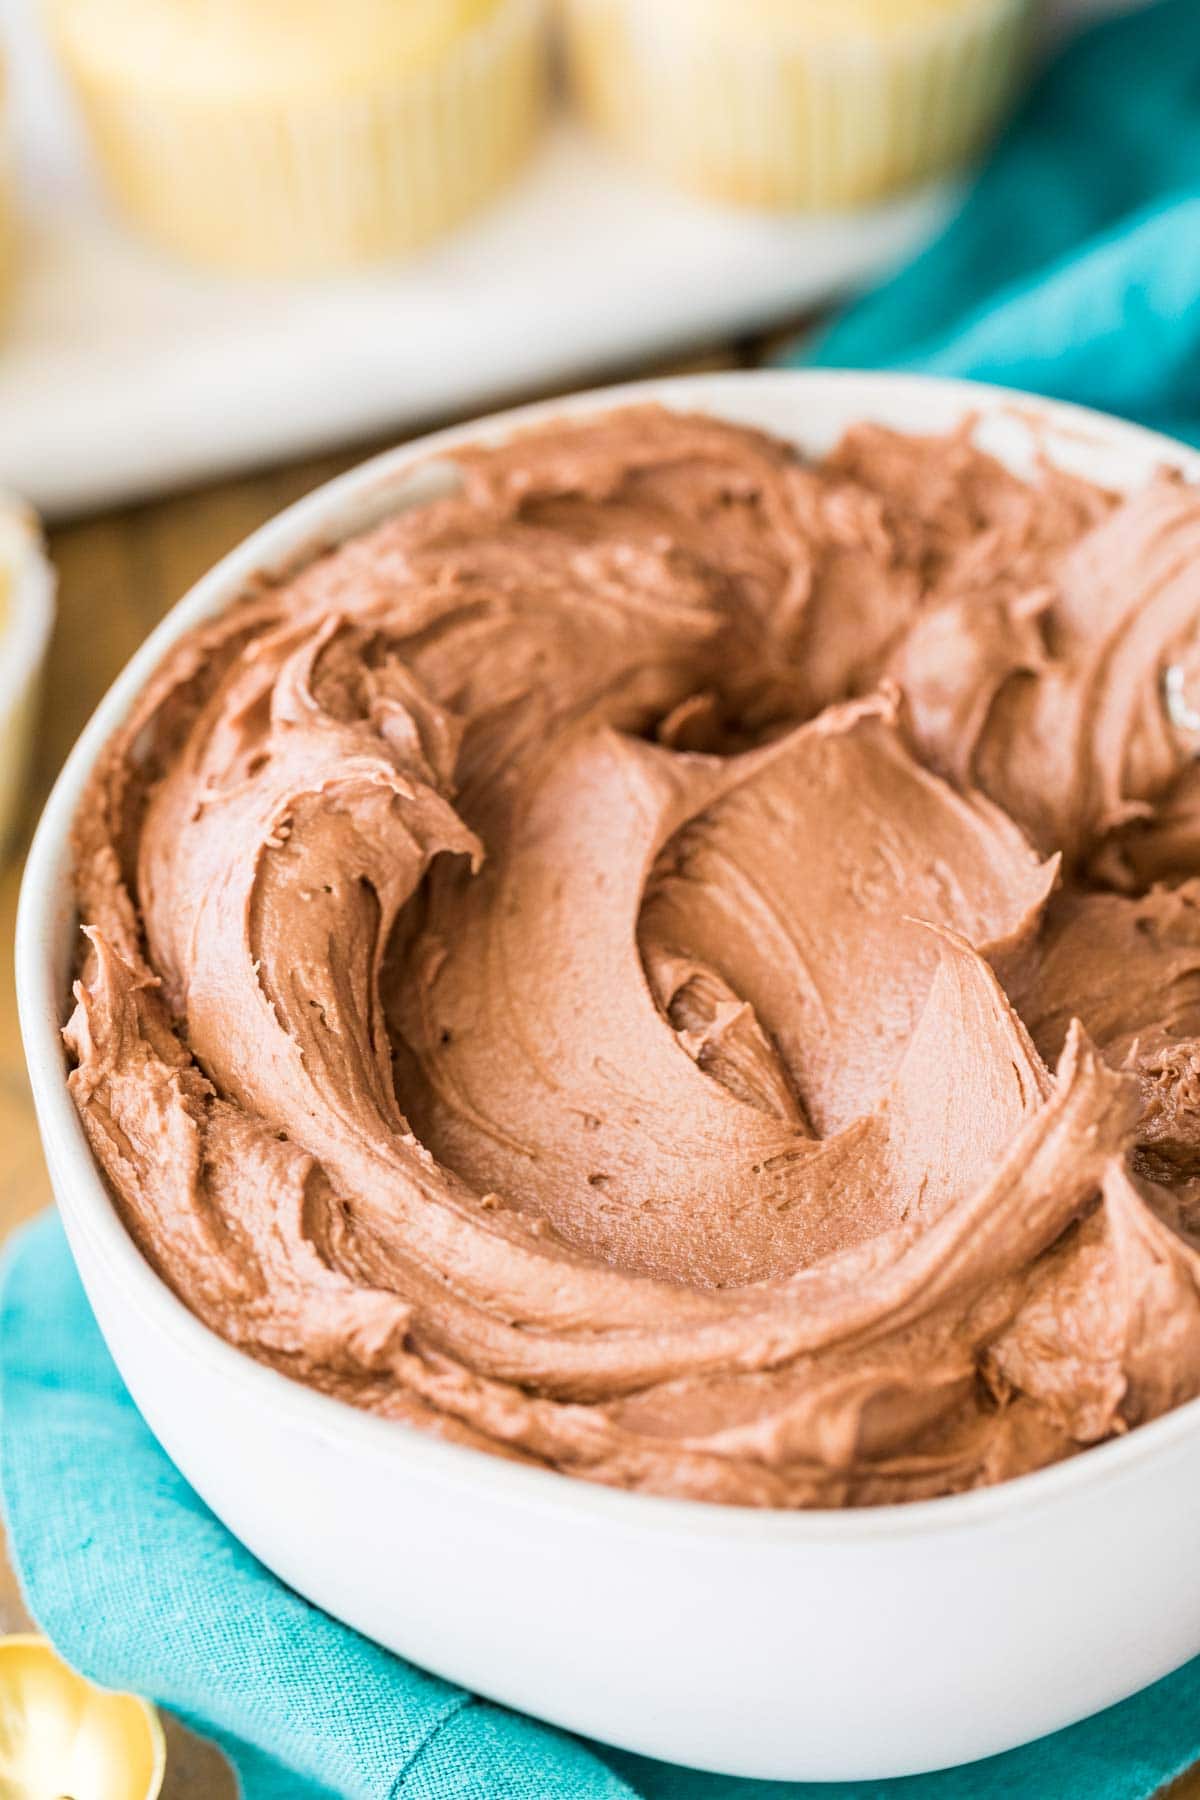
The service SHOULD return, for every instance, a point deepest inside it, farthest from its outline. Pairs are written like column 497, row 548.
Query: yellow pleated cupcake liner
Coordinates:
column 777, row 120
column 312, row 183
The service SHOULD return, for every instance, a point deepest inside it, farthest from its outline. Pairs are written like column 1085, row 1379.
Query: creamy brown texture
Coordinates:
column 680, row 964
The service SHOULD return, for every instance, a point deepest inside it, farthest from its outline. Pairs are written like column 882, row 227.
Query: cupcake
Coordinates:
column 283, row 136
column 26, row 615
column 795, row 103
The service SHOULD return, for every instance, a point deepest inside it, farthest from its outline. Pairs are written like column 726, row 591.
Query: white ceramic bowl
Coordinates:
column 26, row 619
column 789, row 1645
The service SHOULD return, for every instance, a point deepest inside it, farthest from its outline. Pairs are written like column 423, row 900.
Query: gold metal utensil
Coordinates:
column 63, row 1738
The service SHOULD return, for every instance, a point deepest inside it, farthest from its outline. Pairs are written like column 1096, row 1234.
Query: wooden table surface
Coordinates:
column 117, row 575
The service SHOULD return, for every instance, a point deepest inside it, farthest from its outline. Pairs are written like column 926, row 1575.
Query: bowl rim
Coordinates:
column 285, row 542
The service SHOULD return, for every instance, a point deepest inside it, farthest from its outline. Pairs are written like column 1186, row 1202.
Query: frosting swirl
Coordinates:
column 679, row 963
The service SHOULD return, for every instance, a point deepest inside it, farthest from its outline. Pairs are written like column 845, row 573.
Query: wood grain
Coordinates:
column 117, row 575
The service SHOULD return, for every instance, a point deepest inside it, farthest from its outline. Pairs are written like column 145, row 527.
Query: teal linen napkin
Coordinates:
column 1073, row 267
column 140, row 1587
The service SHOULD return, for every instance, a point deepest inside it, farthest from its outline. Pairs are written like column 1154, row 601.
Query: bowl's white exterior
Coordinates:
column 814, row 1646
column 25, row 625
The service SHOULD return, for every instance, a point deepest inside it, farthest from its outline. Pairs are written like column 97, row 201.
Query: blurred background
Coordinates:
column 244, row 242
column 236, row 230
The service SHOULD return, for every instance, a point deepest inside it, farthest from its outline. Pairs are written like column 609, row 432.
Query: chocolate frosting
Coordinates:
column 679, row 964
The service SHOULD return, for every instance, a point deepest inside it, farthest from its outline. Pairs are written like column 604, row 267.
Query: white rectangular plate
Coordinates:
column 122, row 375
